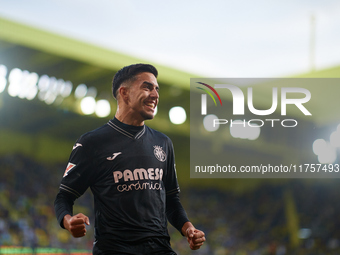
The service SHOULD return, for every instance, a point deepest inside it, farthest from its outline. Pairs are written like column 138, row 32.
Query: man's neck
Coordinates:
column 129, row 120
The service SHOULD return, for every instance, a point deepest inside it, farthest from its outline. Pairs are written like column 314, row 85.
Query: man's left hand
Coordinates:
column 195, row 237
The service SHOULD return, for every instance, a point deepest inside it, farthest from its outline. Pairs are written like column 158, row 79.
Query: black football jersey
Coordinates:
column 130, row 171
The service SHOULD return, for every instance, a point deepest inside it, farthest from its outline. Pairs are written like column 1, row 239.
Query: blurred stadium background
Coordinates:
column 53, row 89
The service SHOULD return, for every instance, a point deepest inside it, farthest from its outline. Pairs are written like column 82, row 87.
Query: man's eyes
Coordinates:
column 151, row 88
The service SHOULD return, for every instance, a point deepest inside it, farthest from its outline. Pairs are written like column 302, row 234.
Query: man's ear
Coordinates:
column 123, row 93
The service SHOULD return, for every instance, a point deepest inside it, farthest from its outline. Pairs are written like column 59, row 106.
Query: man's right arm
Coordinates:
column 78, row 176
column 63, row 206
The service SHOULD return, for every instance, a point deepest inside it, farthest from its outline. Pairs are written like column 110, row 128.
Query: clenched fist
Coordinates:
column 76, row 224
column 195, row 237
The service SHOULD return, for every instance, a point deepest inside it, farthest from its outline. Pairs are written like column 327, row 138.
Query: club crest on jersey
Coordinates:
column 68, row 168
column 159, row 153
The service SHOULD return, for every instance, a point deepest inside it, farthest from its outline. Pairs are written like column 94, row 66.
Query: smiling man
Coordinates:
column 130, row 169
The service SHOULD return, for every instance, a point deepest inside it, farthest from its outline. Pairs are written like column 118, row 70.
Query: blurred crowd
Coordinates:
column 27, row 193
column 248, row 223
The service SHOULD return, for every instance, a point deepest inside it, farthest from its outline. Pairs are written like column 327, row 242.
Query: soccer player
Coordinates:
column 130, row 169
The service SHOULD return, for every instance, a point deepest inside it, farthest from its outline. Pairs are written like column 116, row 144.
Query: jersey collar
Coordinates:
column 132, row 132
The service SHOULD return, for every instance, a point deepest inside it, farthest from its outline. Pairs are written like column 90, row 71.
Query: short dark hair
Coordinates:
column 128, row 73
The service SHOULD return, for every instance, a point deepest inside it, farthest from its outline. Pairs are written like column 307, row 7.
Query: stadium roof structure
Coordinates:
column 38, row 125
column 43, row 52
column 49, row 54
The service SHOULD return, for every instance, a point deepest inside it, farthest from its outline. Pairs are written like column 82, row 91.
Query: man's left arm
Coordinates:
column 179, row 219
column 174, row 210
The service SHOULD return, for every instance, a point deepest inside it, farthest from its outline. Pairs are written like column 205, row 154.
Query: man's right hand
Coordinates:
column 76, row 224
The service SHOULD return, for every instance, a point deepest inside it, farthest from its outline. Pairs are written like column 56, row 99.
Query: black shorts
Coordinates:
column 152, row 245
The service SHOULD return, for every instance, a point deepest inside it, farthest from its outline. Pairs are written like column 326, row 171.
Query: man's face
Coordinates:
column 143, row 96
